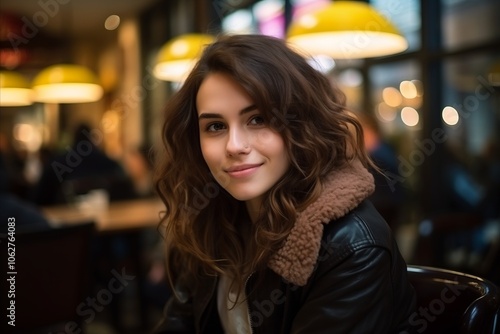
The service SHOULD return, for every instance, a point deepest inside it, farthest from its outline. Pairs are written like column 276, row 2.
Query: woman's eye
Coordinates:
column 215, row 127
column 257, row 120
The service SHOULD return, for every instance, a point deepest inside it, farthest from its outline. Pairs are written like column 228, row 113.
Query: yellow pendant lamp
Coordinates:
column 178, row 56
column 67, row 83
column 346, row 30
column 14, row 90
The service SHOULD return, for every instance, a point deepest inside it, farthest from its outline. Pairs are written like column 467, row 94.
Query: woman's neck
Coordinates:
column 253, row 208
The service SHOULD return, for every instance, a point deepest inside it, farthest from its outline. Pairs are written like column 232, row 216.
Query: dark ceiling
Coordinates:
column 72, row 17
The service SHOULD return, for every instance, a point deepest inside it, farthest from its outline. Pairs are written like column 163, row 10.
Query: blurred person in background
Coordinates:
column 138, row 164
column 81, row 168
column 389, row 195
column 473, row 192
column 25, row 214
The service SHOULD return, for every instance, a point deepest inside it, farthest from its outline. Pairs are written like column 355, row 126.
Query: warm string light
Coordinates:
column 406, row 100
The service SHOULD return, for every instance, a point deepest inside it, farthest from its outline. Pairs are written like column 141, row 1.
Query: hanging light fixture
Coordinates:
column 66, row 84
column 178, row 56
column 14, row 90
column 346, row 30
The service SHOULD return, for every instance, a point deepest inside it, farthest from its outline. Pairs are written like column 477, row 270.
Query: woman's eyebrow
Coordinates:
column 245, row 110
column 250, row 108
column 209, row 115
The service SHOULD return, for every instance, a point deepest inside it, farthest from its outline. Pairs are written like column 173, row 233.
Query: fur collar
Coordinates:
column 343, row 190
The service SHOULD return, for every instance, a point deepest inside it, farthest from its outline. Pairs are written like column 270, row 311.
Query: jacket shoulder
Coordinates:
column 362, row 227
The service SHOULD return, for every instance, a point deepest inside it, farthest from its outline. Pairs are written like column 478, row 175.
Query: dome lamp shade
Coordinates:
column 177, row 57
column 345, row 30
column 15, row 90
column 66, row 83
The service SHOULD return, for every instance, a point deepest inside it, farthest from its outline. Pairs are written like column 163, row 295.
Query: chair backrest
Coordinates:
column 431, row 244
column 460, row 241
column 453, row 302
column 52, row 276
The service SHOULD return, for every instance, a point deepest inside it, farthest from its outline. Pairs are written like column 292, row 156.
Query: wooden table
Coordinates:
column 118, row 216
column 124, row 219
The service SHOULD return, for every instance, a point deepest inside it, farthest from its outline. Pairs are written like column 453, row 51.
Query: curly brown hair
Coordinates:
column 207, row 228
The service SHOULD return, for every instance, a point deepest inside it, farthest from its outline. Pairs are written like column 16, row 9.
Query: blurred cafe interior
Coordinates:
column 429, row 101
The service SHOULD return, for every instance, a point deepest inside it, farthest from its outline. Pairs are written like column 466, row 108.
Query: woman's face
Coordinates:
column 243, row 153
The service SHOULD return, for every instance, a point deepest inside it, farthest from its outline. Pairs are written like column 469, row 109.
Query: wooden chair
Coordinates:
column 52, row 278
column 453, row 302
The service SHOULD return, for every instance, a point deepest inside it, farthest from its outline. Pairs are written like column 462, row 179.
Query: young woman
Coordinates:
column 263, row 174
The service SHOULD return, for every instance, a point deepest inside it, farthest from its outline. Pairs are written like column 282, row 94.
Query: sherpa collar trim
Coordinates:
column 343, row 190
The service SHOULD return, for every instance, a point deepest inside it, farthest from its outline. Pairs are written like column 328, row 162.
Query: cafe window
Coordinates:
column 405, row 15
column 396, row 99
column 467, row 23
column 471, row 119
column 266, row 17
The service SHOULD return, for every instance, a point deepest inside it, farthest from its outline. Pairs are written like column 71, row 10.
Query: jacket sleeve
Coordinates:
column 353, row 296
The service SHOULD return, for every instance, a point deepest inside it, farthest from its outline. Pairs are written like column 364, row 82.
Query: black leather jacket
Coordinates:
column 357, row 284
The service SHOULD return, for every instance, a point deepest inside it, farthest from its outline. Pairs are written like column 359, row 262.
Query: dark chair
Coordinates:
column 446, row 241
column 434, row 233
column 51, row 280
column 453, row 302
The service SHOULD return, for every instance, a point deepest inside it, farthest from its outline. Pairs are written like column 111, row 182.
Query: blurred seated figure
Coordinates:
column 139, row 167
column 389, row 193
column 16, row 210
column 82, row 168
column 473, row 190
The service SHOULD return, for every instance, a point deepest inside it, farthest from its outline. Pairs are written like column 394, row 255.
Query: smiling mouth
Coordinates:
column 243, row 170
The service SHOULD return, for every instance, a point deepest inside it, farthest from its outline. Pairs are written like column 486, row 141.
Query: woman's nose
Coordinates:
column 237, row 142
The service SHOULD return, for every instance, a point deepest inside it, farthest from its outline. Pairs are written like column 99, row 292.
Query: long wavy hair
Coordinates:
column 207, row 229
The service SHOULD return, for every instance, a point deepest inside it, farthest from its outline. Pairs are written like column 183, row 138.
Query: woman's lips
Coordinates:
column 243, row 170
